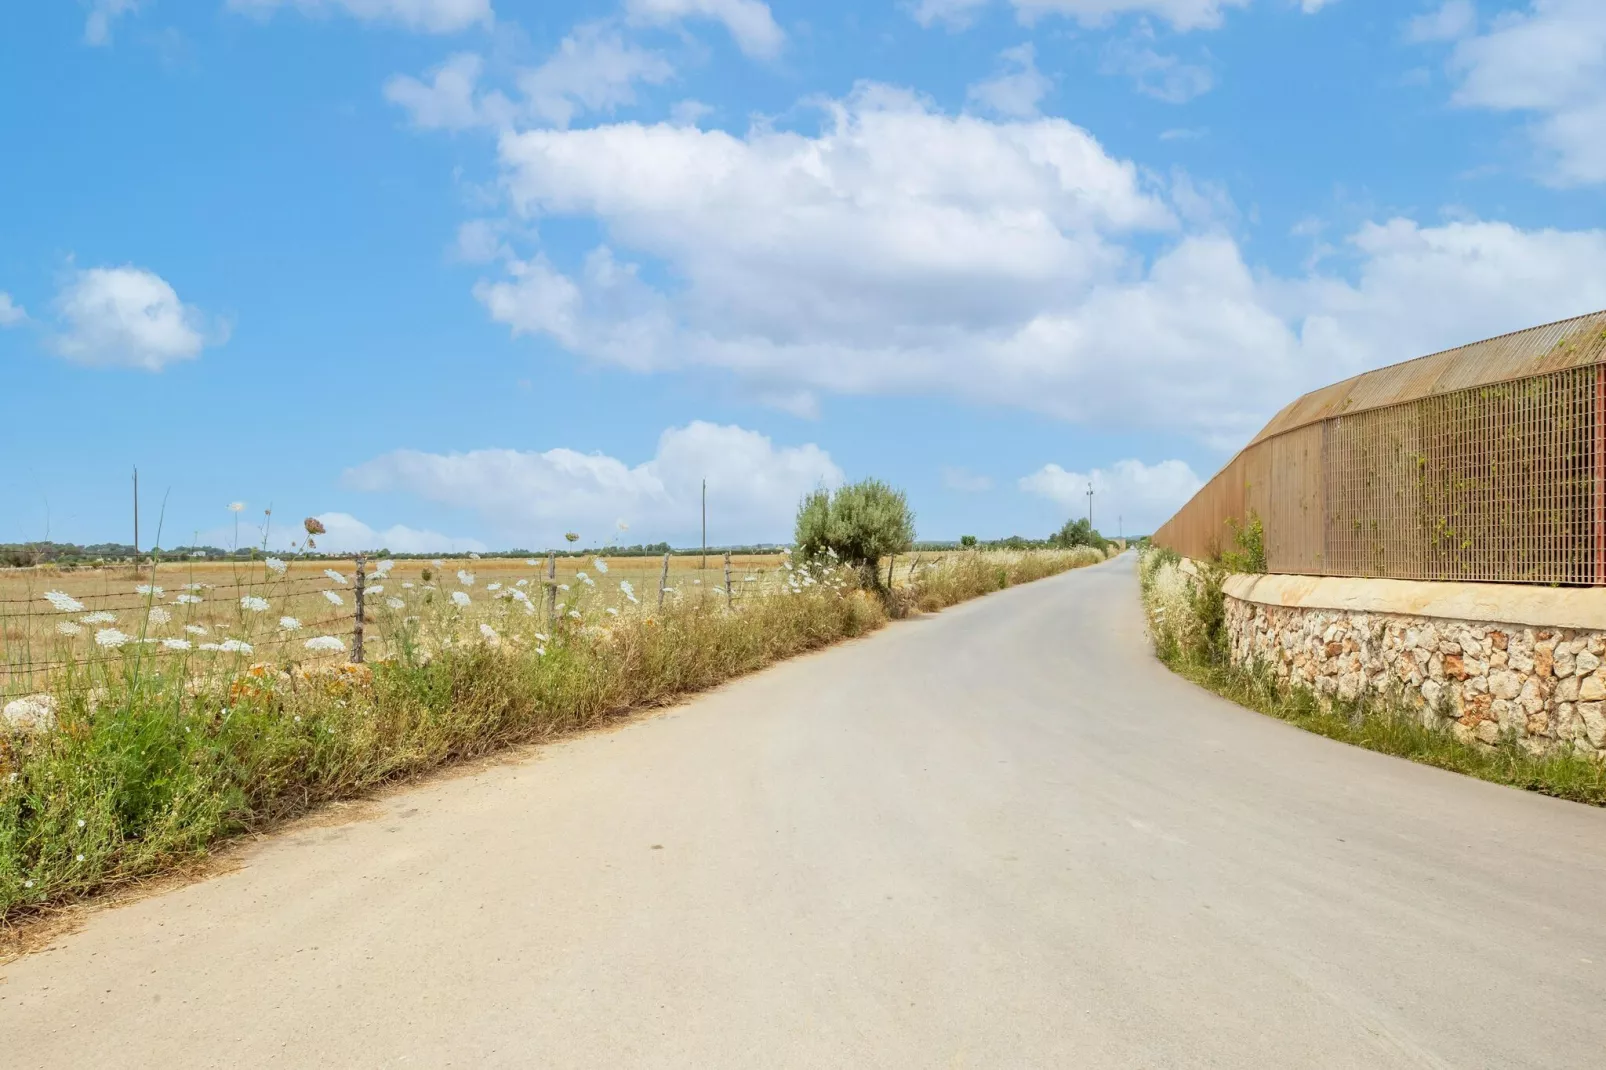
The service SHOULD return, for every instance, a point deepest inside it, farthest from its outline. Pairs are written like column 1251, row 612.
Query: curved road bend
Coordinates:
column 999, row 837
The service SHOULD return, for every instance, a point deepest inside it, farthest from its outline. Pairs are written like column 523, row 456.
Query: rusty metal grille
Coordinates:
column 1501, row 482
column 1491, row 483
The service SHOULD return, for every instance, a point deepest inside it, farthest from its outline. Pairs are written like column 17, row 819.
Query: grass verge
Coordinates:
column 1185, row 625
column 146, row 771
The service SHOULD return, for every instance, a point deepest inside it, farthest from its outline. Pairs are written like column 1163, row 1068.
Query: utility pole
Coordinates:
column 1090, row 505
column 136, row 517
column 705, row 526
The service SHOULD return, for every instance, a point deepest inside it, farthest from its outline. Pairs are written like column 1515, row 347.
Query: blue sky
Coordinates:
column 471, row 273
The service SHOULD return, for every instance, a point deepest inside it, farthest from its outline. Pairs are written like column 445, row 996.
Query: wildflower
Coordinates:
column 67, row 627
column 275, row 565
column 235, row 646
column 63, row 602
column 563, row 586
column 195, row 586
column 602, row 566
column 253, row 604
column 612, row 612
column 490, row 634
column 385, row 566
column 395, row 603
column 195, row 629
column 236, row 507
column 473, row 556
column 575, row 613
column 158, row 615
column 334, row 598
column 438, row 563
column 188, row 600
column 494, row 587
column 533, row 564
column 210, row 646
column 630, row 592
column 465, row 578
column 540, row 651
column 148, row 589
column 377, row 588
column 522, row 583
column 460, row 598
column 176, row 644
column 582, row 577
column 289, row 624
column 326, row 643
column 337, row 577
column 110, row 638
column 80, row 858
column 314, row 526
column 540, row 638
column 25, row 884
column 80, row 822
column 407, row 586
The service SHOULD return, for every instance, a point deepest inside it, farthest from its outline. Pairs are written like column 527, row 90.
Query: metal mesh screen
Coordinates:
column 1501, row 482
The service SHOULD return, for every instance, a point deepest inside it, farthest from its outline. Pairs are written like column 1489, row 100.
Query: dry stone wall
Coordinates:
column 1544, row 686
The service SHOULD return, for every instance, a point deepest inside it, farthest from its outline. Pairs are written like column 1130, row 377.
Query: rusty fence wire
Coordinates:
column 1501, row 482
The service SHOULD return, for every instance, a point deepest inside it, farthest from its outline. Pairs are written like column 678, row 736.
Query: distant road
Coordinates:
column 999, row 837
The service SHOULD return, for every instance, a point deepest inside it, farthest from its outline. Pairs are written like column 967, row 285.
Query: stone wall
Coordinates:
column 1544, row 685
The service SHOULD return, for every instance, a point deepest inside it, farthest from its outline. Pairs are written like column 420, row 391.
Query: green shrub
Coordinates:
column 859, row 524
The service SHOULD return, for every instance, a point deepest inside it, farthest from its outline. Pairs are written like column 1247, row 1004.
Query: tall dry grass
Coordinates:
column 162, row 758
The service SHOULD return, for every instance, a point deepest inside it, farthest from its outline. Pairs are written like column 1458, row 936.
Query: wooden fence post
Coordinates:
column 362, row 583
column 729, row 595
column 663, row 582
column 552, row 588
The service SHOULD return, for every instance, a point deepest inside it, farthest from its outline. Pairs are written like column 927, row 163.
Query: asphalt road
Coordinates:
column 998, row 837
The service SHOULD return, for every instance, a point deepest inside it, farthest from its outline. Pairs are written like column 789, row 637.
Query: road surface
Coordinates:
column 997, row 837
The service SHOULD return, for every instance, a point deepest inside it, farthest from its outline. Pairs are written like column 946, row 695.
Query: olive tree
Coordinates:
column 860, row 523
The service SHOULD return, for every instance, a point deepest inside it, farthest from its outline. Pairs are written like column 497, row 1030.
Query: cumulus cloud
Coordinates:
column 1015, row 90
column 428, row 16
column 749, row 22
column 129, row 317
column 593, row 69
column 1159, row 75
column 753, row 486
column 102, row 14
column 11, row 313
column 1129, row 495
column 344, row 533
column 1548, row 62
column 1450, row 21
column 1015, row 262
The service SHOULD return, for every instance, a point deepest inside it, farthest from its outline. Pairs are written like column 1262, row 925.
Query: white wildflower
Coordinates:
column 493, row 587
column 337, row 577
column 195, row 586
column 236, row 507
column 377, row 588
column 563, row 586
column 540, row 651
column 522, row 583
column 602, row 566
column 407, row 586
column 460, row 598
column 535, row 564
column 334, row 598
column 630, row 591
column 81, row 822
column 253, row 604
column 395, row 603
column 100, row 616
column 326, row 643
column 148, row 589
column 612, row 612
column 209, row 646
column 195, row 629
column 176, row 644
column 110, row 638
column 465, row 578
column 80, row 858
column 289, row 624
column 67, row 627
column 575, row 613
column 158, row 615
column 582, row 577
column 385, row 566
column 473, row 557
column 541, row 637
column 235, row 646
column 188, row 600
column 276, row 565
column 438, row 562
column 490, row 634
column 64, row 603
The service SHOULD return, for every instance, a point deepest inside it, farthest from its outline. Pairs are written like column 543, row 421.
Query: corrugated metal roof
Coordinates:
column 1571, row 343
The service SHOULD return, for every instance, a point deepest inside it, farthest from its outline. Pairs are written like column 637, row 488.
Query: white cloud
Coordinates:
column 344, row 533
column 532, row 498
column 1164, row 77
column 11, row 313
column 901, row 250
column 450, row 99
column 749, row 21
column 1016, row 90
column 956, row 14
column 1181, row 14
column 1549, row 61
column 98, row 26
column 428, row 16
column 1129, row 496
column 129, row 317
column 965, row 481
column 1450, row 21
column 593, row 69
